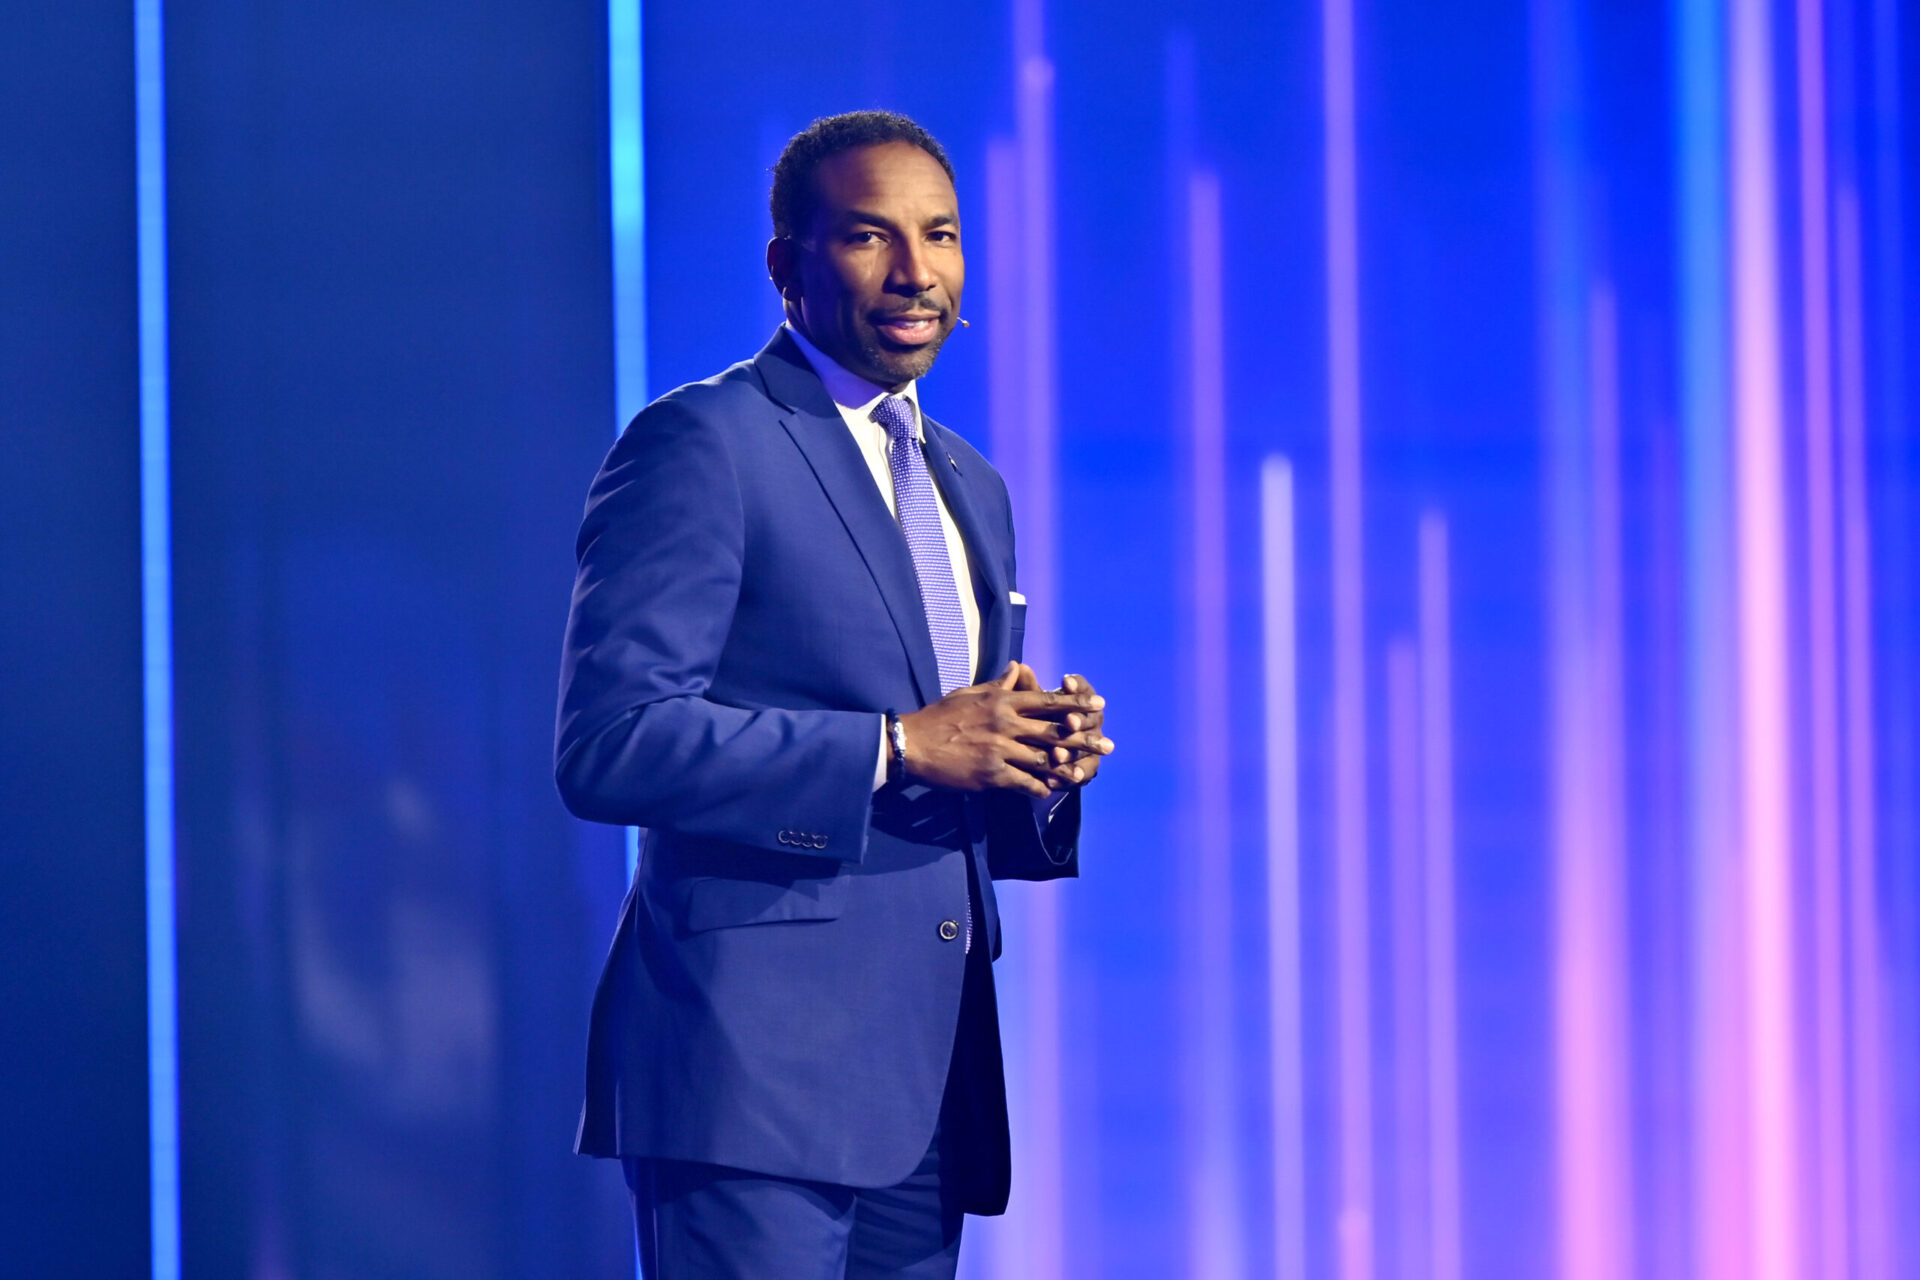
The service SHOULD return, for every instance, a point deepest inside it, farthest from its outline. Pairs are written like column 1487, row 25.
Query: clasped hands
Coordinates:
column 1009, row 734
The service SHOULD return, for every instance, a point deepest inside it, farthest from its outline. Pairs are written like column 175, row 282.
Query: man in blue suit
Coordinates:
column 793, row 656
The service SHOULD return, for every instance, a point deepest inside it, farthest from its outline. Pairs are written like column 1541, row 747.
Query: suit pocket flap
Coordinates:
column 720, row 902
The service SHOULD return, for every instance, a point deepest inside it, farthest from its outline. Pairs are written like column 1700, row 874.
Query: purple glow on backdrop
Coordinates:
column 1353, row 1039
column 1766, row 773
column 1442, row 958
column 1214, row 1180
column 1761, row 1070
column 1286, row 1095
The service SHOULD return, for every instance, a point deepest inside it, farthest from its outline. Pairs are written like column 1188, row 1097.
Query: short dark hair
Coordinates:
column 793, row 199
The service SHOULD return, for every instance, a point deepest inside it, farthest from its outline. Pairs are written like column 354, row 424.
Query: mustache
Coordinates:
column 924, row 302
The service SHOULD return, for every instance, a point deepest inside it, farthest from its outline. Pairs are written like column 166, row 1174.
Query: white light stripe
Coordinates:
column 1406, row 1195
column 1042, row 1145
column 1285, row 1050
column 1436, row 835
column 1219, row 1252
column 1761, row 567
column 1353, row 1041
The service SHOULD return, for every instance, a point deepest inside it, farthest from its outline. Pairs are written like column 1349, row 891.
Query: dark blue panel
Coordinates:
column 392, row 372
column 73, row 1169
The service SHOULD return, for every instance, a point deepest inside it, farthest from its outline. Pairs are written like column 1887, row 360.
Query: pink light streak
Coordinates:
column 1214, row 1186
column 1828, row 1171
column 1722, row 1081
column 1590, row 1007
column 1761, row 593
column 1436, row 830
column 1353, row 1039
column 1286, row 1088
column 1406, row 947
column 1871, row 1160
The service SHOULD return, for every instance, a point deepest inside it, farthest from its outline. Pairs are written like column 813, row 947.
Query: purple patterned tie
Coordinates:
column 920, row 521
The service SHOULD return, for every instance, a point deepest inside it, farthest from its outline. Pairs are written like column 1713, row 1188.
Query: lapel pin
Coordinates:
column 952, row 463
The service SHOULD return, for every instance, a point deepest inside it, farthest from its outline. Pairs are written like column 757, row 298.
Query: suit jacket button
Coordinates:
column 819, row 842
column 949, row 930
column 786, row 837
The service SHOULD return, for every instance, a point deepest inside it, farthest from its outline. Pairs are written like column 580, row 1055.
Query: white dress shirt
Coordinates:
column 856, row 399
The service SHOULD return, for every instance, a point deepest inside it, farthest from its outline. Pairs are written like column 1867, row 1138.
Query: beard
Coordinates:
column 900, row 364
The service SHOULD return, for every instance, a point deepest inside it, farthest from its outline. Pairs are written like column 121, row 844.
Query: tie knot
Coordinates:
column 895, row 413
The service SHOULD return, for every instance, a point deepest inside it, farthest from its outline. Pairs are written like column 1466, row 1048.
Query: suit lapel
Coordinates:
column 822, row 437
column 982, row 550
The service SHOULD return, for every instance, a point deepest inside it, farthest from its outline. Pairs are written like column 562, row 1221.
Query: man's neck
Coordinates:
column 841, row 382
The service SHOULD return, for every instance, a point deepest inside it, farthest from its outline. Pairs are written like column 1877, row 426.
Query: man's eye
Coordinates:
column 864, row 237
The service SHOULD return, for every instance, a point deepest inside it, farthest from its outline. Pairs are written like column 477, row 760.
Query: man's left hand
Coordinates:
column 1071, row 767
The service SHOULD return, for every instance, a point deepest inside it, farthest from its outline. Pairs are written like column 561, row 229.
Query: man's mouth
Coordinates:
column 911, row 329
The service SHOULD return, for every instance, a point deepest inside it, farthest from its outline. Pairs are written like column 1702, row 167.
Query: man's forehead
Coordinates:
column 893, row 170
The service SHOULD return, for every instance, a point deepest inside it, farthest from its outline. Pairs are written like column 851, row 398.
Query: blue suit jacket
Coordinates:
column 779, row 997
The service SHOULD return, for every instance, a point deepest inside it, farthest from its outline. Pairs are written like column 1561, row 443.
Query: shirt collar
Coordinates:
column 852, row 394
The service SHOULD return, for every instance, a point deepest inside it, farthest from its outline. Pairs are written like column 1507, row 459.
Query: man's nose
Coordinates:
column 912, row 269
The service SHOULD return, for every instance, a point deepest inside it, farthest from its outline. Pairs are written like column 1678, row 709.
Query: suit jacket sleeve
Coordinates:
column 1021, row 845
column 639, row 741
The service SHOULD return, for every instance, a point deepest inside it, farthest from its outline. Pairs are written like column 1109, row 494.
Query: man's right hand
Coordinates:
column 995, row 735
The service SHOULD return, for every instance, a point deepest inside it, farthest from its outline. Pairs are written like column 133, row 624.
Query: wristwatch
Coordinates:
column 896, row 748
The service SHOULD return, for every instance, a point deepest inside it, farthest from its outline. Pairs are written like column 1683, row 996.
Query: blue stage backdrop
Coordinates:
column 1471, row 446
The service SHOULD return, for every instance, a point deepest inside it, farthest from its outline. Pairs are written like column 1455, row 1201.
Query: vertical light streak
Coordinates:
column 1896, row 739
column 1614, row 1174
column 1872, row 1227
column 1590, row 1007
column 156, row 631
column 1004, row 331
column 1024, row 400
column 1436, row 833
column 627, row 185
column 1287, row 1089
column 1033, row 127
column 1216, row 1205
column 1407, row 952
column 1761, row 589
column 1719, row 1059
column 627, row 219
column 1003, row 1253
column 1353, row 1039
column 1046, row 1135
column 1828, row 1131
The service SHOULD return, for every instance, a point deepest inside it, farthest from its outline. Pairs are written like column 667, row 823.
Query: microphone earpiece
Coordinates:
column 965, row 325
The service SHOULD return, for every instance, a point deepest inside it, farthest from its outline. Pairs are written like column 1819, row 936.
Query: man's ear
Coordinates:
column 783, row 262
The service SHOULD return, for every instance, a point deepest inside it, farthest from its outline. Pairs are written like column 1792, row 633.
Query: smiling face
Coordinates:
column 874, row 282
